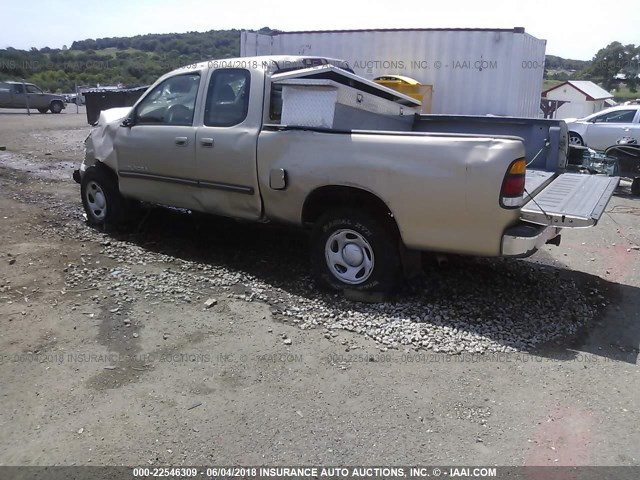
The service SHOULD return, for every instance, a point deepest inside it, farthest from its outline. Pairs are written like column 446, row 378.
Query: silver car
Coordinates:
column 601, row 130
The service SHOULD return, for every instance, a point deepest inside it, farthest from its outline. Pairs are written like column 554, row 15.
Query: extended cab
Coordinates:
column 305, row 141
column 23, row 95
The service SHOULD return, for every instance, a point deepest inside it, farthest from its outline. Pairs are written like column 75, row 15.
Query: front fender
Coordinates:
column 58, row 99
column 99, row 145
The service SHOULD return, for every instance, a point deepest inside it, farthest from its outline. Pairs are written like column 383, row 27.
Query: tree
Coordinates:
column 609, row 62
column 631, row 67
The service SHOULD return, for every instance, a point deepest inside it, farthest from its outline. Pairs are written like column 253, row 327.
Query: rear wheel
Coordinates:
column 43, row 110
column 56, row 106
column 575, row 139
column 354, row 250
column 635, row 186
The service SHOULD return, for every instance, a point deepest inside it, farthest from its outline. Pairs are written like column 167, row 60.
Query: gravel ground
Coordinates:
column 453, row 310
column 466, row 364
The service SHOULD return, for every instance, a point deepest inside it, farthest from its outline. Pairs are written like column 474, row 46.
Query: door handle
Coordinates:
column 181, row 141
column 206, row 142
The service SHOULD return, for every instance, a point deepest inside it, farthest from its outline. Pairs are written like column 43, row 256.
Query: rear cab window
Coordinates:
column 227, row 102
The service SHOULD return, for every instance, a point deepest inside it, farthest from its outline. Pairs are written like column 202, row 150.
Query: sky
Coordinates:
column 574, row 30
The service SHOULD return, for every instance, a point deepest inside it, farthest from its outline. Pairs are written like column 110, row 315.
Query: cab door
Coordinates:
column 5, row 95
column 18, row 98
column 37, row 98
column 156, row 145
column 633, row 129
column 226, row 143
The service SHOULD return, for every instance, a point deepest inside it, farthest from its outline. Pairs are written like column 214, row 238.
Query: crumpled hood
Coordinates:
column 113, row 114
column 99, row 144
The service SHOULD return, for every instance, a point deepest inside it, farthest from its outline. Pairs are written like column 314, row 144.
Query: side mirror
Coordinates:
column 128, row 122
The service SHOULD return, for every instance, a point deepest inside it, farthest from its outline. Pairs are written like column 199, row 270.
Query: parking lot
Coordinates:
column 206, row 342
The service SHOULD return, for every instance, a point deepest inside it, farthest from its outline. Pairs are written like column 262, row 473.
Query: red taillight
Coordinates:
column 513, row 186
column 511, row 194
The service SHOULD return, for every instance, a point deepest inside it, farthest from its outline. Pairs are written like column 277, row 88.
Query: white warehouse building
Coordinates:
column 472, row 71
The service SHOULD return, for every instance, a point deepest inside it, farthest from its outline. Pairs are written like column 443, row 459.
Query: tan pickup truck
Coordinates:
column 305, row 141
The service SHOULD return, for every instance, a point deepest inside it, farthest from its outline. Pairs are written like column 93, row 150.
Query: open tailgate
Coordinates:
column 570, row 200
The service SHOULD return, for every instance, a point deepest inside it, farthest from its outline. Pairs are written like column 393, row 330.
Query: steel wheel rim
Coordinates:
column 349, row 256
column 96, row 200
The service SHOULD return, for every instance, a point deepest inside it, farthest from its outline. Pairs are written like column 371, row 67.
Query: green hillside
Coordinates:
column 131, row 61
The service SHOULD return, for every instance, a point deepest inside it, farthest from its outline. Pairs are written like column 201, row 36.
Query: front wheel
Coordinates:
column 355, row 250
column 101, row 197
column 575, row 139
column 635, row 186
column 56, row 107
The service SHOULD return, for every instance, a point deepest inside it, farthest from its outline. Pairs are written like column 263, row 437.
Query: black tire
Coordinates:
column 43, row 110
column 56, row 106
column 575, row 139
column 99, row 188
column 635, row 186
column 380, row 245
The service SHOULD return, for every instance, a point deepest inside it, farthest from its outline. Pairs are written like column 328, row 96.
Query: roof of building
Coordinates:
column 589, row 89
column 512, row 30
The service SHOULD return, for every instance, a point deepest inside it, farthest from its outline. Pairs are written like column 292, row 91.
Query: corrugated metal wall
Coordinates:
column 473, row 72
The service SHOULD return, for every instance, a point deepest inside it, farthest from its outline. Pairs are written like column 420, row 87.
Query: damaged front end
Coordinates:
column 99, row 144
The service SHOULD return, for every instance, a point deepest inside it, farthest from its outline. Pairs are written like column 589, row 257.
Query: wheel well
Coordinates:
column 107, row 170
column 328, row 198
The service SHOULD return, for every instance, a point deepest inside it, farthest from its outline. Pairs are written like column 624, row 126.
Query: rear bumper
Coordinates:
column 525, row 239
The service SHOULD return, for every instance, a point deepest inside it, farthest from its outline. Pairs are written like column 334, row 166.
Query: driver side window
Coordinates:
column 170, row 103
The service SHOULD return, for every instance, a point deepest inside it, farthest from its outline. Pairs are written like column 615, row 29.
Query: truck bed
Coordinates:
column 545, row 141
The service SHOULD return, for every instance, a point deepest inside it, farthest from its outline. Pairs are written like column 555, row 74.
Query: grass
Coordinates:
column 623, row 94
column 547, row 84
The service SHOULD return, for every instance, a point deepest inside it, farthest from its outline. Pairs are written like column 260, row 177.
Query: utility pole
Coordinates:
column 26, row 97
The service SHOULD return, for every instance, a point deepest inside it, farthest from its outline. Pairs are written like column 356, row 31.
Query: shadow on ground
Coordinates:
column 497, row 289
column 624, row 191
